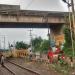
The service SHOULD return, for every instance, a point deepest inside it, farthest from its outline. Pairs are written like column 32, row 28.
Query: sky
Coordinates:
column 20, row 34
column 23, row 34
column 48, row 5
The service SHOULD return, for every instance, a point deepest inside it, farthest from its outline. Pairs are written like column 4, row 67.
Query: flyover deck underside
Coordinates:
column 28, row 25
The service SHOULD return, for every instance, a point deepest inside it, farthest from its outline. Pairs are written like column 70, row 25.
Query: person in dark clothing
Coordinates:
column 2, row 60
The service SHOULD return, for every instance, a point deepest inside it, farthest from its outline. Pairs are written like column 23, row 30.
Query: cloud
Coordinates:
column 22, row 34
column 11, row 2
column 48, row 5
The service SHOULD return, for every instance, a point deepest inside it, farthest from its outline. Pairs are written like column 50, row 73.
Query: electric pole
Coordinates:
column 73, row 16
column 0, row 44
column 14, row 44
column 9, row 45
column 72, row 22
column 73, row 19
column 4, row 42
column 31, row 39
column 46, row 21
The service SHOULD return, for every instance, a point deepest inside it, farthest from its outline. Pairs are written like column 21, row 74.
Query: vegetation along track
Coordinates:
column 17, row 69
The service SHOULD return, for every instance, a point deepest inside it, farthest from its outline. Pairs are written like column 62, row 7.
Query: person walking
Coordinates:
column 30, row 55
column 2, row 60
column 50, row 55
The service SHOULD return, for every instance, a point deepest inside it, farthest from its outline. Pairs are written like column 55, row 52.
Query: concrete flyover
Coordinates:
column 30, row 18
column 35, row 19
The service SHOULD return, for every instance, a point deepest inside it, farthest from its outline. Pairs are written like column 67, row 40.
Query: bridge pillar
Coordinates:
column 57, row 34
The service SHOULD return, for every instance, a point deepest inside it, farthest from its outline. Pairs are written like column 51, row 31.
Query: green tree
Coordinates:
column 45, row 45
column 36, row 43
column 21, row 45
column 40, row 45
column 68, row 41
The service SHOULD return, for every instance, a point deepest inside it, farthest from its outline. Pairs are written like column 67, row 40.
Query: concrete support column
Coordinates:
column 57, row 34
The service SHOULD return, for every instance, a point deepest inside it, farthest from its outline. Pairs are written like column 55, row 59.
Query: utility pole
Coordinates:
column 49, row 33
column 73, row 19
column 4, row 42
column 71, row 30
column 14, row 44
column 31, row 39
column 73, row 16
column 0, row 44
column 9, row 45
column 72, row 22
column 46, row 21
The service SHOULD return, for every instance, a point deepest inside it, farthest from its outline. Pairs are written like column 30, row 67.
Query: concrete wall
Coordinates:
column 57, row 34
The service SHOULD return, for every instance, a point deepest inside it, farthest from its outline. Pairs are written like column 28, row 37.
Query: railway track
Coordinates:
column 16, row 69
column 9, row 70
column 5, row 71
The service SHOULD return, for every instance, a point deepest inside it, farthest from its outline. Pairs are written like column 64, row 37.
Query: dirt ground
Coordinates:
column 42, row 68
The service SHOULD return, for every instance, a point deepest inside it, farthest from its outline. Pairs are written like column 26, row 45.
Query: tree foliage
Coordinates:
column 36, row 43
column 45, row 45
column 40, row 45
column 21, row 45
column 68, row 41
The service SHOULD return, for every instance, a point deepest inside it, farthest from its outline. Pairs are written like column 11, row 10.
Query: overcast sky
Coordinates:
column 23, row 34
column 56, row 5
column 20, row 34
